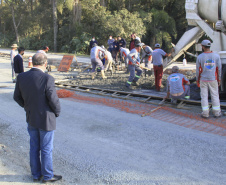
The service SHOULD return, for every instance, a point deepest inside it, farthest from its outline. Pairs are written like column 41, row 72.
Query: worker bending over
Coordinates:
column 134, row 65
column 124, row 52
column 177, row 86
column 108, row 61
column 208, row 76
column 147, row 56
column 96, row 61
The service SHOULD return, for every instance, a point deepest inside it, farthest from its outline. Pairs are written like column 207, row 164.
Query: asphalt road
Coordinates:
column 96, row 144
column 51, row 56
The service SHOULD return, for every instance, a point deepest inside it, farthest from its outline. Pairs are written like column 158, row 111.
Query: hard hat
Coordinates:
column 157, row 45
column 206, row 43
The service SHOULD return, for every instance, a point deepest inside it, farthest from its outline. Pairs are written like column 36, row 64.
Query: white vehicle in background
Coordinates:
column 204, row 17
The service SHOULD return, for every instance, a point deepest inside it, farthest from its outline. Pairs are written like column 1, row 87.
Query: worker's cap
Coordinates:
column 102, row 46
column 206, row 43
column 157, row 45
column 95, row 44
column 175, row 69
column 45, row 48
column 139, row 44
column 14, row 46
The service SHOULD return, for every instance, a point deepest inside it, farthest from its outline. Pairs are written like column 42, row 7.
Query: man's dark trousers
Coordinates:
column 158, row 71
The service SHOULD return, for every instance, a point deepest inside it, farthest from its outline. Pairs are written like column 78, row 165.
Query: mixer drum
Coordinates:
column 208, row 10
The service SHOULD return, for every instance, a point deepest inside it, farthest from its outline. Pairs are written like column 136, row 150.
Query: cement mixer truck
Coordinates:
column 204, row 17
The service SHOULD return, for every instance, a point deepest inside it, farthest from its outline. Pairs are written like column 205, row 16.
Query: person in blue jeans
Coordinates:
column 35, row 92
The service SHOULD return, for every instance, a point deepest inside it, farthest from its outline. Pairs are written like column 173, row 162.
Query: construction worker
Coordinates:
column 12, row 55
column 44, row 50
column 96, row 61
column 177, row 86
column 208, row 76
column 134, row 65
column 124, row 55
column 108, row 61
column 157, row 60
column 147, row 56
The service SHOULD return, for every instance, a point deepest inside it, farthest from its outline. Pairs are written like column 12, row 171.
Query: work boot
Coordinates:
column 217, row 113
column 128, row 87
column 93, row 75
column 103, row 75
column 134, row 83
column 205, row 114
column 173, row 101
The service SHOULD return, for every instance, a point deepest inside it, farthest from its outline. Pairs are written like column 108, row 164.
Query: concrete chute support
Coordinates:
column 204, row 17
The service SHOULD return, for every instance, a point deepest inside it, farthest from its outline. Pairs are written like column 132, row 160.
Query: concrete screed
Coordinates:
column 95, row 144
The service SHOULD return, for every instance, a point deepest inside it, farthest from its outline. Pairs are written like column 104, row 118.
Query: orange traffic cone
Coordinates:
column 30, row 65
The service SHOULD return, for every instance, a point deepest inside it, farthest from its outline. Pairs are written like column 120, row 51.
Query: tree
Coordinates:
column 55, row 27
column 16, row 5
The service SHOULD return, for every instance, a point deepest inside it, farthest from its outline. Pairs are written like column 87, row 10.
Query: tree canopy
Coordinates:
column 70, row 24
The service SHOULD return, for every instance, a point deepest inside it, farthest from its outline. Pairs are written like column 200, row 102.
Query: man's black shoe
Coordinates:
column 37, row 180
column 54, row 179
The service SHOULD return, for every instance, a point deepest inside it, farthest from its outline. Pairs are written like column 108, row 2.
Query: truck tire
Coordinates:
column 223, row 79
column 195, row 92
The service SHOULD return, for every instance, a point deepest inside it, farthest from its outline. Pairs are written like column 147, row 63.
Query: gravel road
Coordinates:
column 96, row 144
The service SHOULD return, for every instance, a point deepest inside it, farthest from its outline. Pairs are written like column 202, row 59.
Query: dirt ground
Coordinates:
column 118, row 79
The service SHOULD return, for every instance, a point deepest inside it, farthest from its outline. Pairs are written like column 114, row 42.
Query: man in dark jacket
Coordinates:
column 18, row 62
column 93, row 41
column 121, row 42
column 115, row 50
column 35, row 92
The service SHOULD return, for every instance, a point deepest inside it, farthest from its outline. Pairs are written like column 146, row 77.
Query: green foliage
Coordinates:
column 124, row 23
column 153, row 21
column 78, row 44
column 25, row 42
column 5, row 40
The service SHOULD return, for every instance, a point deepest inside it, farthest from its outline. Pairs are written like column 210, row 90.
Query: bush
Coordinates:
column 79, row 44
column 6, row 41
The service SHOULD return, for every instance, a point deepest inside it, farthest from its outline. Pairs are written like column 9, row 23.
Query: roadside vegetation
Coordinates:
column 68, row 25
